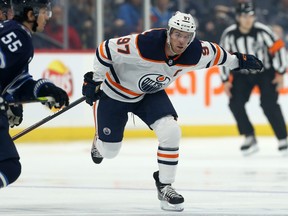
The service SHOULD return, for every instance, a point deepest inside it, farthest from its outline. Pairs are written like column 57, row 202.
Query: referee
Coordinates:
column 250, row 37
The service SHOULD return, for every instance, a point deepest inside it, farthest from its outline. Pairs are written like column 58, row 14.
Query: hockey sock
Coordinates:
column 9, row 171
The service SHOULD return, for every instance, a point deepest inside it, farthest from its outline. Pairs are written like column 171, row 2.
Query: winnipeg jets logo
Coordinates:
column 151, row 83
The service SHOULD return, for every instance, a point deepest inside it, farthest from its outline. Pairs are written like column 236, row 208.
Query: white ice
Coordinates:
column 213, row 176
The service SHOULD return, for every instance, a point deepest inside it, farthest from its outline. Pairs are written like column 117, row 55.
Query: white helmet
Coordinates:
column 183, row 22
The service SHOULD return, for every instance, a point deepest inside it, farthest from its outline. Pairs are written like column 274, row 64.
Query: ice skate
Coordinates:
column 283, row 148
column 95, row 154
column 170, row 200
column 249, row 146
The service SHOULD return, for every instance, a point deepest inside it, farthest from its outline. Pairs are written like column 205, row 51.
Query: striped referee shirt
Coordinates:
column 260, row 42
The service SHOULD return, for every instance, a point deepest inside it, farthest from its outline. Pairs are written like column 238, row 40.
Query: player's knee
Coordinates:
column 168, row 131
column 108, row 149
column 10, row 170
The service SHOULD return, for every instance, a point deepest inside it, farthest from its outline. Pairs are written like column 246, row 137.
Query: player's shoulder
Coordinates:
column 9, row 26
column 192, row 54
column 151, row 44
column 15, row 38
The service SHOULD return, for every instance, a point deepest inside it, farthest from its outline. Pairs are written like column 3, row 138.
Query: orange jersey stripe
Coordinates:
column 276, row 46
column 168, row 155
column 102, row 51
column 121, row 87
column 218, row 53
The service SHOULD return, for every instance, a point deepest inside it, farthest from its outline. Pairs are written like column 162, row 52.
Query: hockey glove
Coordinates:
column 91, row 89
column 15, row 115
column 44, row 88
column 249, row 62
column 3, row 105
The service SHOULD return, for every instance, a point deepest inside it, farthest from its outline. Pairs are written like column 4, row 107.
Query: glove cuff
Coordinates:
column 39, row 85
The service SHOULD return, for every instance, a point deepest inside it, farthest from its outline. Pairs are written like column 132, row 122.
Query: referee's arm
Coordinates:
column 277, row 50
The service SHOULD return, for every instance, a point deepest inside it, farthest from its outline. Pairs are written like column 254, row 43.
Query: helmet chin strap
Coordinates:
column 35, row 25
column 169, row 44
column 171, row 49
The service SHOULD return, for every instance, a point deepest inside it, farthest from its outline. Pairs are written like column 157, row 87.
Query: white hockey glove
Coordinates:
column 15, row 115
column 3, row 105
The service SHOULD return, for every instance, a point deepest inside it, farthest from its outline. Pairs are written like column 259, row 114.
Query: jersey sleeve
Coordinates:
column 102, row 61
column 224, row 42
column 213, row 54
column 113, row 52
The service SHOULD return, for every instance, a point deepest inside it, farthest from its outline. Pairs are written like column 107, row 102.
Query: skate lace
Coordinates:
column 95, row 152
column 169, row 192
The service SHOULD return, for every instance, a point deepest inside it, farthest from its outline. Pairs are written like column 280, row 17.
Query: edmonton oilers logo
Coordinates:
column 151, row 83
column 106, row 131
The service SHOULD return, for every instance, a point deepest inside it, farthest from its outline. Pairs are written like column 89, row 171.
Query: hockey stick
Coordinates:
column 48, row 118
column 39, row 99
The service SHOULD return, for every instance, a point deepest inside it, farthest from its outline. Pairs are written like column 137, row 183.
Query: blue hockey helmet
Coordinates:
column 21, row 7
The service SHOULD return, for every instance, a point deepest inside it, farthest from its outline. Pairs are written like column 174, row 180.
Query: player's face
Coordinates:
column 43, row 17
column 246, row 21
column 179, row 40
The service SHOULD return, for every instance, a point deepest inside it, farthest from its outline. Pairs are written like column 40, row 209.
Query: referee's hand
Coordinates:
column 227, row 88
column 278, row 81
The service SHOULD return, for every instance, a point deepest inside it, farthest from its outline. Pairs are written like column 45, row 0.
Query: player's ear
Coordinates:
column 30, row 16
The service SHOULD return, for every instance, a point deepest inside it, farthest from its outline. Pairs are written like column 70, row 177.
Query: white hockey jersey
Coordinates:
column 135, row 65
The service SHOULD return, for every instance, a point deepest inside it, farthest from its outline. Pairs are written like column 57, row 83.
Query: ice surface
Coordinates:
column 213, row 176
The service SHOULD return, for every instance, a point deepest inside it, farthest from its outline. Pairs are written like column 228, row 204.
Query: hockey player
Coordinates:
column 16, row 84
column 133, row 72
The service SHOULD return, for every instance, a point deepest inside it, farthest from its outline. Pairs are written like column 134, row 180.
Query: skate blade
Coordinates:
column 252, row 150
column 171, row 207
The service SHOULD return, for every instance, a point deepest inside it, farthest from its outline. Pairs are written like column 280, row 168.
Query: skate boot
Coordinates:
column 95, row 154
column 283, row 147
column 249, row 146
column 170, row 200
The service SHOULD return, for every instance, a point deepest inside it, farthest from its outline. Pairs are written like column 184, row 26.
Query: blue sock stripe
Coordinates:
column 167, row 149
column 172, row 163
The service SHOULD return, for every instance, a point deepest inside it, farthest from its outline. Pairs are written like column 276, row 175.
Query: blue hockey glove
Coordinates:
column 91, row 89
column 15, row 115
column 249, row 62
column 44, row 88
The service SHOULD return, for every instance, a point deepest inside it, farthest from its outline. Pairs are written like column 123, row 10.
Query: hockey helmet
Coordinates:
column 21, row 7
column 183, row 22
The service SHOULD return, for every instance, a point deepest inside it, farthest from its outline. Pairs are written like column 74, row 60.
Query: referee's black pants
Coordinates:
column 241, row 91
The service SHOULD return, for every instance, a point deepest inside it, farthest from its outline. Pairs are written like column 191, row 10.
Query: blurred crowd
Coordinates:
column 76, row 21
